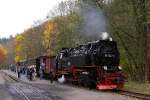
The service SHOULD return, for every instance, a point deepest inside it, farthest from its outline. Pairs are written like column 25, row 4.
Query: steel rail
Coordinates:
column 17, row 89
column 135, row 95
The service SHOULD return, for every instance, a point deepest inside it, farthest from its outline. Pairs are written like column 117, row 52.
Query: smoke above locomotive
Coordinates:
column 93, row 21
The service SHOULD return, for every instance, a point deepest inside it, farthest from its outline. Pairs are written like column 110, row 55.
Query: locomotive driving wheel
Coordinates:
column 86, row 81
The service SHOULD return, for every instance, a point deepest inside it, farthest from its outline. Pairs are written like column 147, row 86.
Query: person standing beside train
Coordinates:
column 18, row 69
column 51, row 76
column 32, row 72
column 42, row 67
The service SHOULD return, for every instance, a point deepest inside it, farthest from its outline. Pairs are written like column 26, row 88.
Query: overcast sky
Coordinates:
column 18, row 15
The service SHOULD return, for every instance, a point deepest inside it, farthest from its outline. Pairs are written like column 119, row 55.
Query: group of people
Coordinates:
column 31, row 72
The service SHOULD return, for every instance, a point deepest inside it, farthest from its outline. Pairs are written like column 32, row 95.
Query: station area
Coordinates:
column 24, row 89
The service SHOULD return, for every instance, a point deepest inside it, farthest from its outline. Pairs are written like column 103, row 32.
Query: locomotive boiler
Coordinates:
column 94, row 65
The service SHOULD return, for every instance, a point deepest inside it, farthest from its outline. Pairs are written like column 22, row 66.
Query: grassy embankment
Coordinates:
column 138, row 87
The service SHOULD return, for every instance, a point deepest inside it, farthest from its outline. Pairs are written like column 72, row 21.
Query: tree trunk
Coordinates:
column 139, row 13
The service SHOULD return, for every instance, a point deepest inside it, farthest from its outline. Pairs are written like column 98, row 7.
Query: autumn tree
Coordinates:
column 29, row 43
column 10, row 46
column 68, row 25
column 49, row 37
column 3, row 53
column 19, row 48
column 62, row 29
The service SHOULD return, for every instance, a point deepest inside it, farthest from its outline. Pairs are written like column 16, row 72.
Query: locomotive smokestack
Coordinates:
column 105, row 36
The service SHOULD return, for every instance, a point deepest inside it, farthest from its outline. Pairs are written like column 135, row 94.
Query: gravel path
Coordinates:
column 74, row 93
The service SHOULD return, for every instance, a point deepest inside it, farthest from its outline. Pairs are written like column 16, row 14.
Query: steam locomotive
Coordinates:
column 94, row 65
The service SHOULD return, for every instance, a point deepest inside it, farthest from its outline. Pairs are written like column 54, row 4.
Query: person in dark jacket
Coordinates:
column 51, row 77
column 30, row 74
column 18, row 69
column 41, row 71
column 32, row 71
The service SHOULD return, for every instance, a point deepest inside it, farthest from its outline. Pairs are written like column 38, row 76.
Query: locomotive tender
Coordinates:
column 95, row 64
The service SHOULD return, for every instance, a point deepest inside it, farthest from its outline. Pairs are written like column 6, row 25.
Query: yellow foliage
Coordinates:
column 19, row 37
column 18, row 58
column 19, row 47
column 49, row 37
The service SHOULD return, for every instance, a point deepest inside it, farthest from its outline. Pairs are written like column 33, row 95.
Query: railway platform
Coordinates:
column 23, row 78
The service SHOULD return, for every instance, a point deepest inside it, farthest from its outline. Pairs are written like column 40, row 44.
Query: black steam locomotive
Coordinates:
column 92, row 64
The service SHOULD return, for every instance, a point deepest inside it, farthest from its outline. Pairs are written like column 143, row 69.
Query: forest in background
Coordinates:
column 75, row 22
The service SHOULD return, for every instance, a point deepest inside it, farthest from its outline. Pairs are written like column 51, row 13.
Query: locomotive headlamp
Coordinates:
column 105, row 67
column 120, row 68
column 69, row 63
column 86, row 73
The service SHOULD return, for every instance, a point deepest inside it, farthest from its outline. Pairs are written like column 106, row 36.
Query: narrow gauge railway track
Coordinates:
column 121, row 92
column 136, row 95
column 27, row 91
column 8, row 78
column 34, row 94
